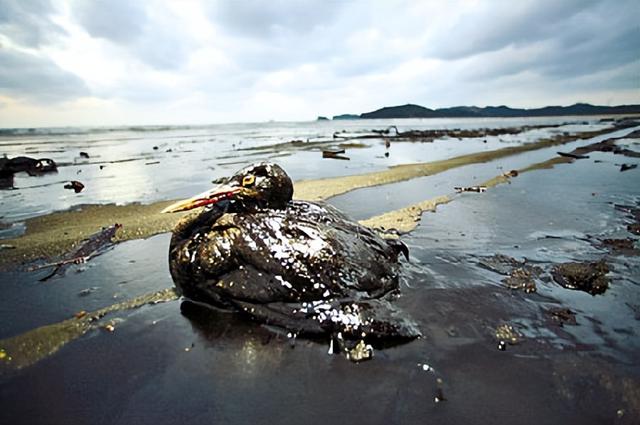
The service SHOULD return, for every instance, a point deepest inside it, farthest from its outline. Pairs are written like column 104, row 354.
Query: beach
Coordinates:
column 488, row 209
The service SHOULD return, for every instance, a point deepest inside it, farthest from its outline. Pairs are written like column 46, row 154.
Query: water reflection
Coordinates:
column 255, row 349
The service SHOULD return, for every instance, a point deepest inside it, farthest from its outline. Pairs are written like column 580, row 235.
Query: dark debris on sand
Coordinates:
column 632, row 213
column 584, row 276
column 621, row 246
column 75, row 185
column 562, row 316
column 93, row 246
column 31, row 166
column 519, row 274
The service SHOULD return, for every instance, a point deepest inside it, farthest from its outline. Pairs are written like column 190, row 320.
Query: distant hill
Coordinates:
column 346, row 117
column 417, row 111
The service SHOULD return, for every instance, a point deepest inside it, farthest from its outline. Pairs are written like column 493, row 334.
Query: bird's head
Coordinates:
column 262, row 185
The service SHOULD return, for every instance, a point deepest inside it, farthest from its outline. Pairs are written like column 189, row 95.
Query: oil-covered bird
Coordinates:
column 298, row 265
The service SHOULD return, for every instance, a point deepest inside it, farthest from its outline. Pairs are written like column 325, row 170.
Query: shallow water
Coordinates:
column 149, row 164
column 174, row 362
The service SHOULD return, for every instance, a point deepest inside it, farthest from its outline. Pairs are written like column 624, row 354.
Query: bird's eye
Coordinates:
column 248, row 180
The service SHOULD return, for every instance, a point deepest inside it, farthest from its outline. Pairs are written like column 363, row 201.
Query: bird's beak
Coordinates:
column 209, row 197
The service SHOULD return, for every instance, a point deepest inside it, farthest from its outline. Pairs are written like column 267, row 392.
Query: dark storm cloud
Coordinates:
column 27, row 23
column 26, row 76
column 556, row 40
column 495, row 25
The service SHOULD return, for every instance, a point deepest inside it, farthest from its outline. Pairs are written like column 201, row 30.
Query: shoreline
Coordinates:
column 53, row 234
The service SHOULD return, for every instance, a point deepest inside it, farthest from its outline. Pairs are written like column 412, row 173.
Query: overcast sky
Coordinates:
column 111, row 62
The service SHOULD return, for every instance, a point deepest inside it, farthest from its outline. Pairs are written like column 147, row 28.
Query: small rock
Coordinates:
column 521, row 278
column 563, row 316
column 584, row 276
column 507, row 333
column 622, row 246
column 360, row 352
column 84, row 155
column 75, row 185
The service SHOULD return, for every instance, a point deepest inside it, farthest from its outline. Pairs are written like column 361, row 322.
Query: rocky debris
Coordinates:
column 512, row 173
column 93, row 246
column 499, row 263
column 583, row 276
column 519, row 274
column 573, row 155
column 521, row 278
column 360, row 352
column 625, row 167
column 334, row 154
column 31, row 166
column 84, row 155
column 506, row 334
column 621, row 246
column 562, row 316
column 608, row 145
column 477, row 189
column 75, row 185
column 633, row 213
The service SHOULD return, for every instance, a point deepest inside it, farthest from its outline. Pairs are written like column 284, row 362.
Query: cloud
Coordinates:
column 27, row 23
column 37, row 79
column 275, row 18
column 146, row 31
column 225, row 60
column 120, row 21
column 490, row 26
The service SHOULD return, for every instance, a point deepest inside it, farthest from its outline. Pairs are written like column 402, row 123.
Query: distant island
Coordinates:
column 417, row 111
